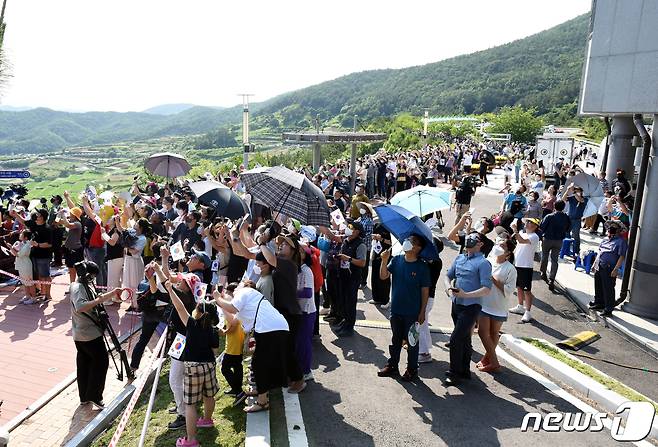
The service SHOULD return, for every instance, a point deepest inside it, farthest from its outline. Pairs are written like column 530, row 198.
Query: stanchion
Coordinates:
column 147, row 417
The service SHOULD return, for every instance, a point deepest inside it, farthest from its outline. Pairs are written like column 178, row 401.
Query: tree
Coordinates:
column 4, row 65
column 521, row 123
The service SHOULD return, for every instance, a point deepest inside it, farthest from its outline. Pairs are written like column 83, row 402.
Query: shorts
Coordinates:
column 199, row 381
column 493, row 317
column 524, row 278
column 41, row 267
column 71, row 257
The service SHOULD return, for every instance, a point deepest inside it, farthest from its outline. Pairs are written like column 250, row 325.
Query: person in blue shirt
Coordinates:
column 410, row 291
column 555, row 227
column 470, row 277
column 573, row 195
column 516, row 203
column 610, row 258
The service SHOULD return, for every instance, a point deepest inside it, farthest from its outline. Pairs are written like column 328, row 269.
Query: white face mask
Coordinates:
column 479, row 227
column 257, row 270
column 348, row 232
column 497, row 250
column 407, row 245
column 362, row 211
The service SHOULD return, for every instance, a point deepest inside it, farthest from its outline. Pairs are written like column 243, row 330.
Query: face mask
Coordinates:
column 407, row 245
column 257, row 270
column 180, row 212
column 362, row 211
column 497, row 250
column 479, row 227
column 348, row 232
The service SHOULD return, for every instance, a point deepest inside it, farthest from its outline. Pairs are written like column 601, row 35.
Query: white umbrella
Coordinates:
column 592, row 190
column 167, row 165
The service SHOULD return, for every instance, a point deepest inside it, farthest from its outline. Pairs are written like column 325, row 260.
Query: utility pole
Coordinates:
column 245, row 129
column 426, row 121
column 353, row 159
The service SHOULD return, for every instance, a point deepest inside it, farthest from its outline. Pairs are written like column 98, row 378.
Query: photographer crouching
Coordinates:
column 92, row 357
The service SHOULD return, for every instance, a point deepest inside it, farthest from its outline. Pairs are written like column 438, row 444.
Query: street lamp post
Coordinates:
column 245, row 129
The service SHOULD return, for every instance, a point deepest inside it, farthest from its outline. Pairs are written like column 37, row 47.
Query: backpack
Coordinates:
column 464, row 193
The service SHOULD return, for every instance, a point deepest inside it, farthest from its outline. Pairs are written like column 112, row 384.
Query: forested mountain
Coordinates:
column 541, row 71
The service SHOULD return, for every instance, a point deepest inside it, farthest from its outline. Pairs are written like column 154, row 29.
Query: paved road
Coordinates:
column 349, row 405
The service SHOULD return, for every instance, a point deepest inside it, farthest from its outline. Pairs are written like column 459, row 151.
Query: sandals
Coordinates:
column 257, row 407
column 184, row 442
column 490, row 368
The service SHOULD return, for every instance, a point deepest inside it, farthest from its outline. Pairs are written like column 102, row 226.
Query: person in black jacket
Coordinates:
column 555, row 227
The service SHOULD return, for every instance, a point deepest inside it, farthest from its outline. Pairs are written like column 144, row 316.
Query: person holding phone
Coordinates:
column 471, row 273
column 411, row 281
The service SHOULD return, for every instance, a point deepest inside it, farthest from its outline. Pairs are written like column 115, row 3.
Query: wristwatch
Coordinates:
column 350, row 259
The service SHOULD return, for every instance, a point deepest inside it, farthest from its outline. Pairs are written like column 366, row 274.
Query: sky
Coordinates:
column 129, row 55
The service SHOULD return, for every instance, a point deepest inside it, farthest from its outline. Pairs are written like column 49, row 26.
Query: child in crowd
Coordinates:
column 21, row 249
column 200, row 380
column 232, row 361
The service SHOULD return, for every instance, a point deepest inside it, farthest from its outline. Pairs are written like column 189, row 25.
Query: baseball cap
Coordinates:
column 532, row 220
column 202, row 256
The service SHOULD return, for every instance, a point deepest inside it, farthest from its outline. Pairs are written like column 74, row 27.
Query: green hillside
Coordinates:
column 541, row 71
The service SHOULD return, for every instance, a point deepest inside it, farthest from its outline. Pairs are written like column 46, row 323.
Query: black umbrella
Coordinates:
column 223, row 200
column 287, row 192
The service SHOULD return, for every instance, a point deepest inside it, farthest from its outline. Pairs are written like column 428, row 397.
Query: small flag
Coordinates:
column 177, row 346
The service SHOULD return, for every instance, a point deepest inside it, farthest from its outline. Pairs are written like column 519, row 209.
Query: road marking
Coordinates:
column 294, row 420
column 258, row 429
column 555, row 389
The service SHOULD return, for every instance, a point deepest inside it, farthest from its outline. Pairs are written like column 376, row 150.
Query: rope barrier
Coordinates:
column 141, row 381
column 130, row 292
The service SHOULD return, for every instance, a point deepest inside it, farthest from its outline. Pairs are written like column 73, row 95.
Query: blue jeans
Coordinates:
column 575, row 234
column 516, row 173
column 400, row 325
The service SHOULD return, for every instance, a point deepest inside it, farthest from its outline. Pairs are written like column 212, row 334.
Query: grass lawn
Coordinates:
column 584, row 368
column 229, row 427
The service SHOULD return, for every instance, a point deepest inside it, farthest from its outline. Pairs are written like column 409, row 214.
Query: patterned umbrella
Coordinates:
column 287, row 192
column 167, row 165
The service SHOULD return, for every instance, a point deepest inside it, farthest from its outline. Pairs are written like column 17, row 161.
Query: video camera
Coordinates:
column 87, row 271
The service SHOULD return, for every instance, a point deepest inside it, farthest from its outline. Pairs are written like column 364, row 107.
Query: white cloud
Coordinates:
column 130, row 55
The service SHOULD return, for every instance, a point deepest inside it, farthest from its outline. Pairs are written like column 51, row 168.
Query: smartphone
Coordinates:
column 220, row 288
column 471, row 211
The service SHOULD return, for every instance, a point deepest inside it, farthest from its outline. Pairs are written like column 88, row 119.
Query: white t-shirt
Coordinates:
column 496, row 303
column 268, row 319
column 524, row 255
column 305, row 280
column 468, row 160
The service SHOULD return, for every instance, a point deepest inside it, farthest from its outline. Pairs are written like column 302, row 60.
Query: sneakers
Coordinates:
column 544, row 277
column 97, row 405
column 595, row 306
column 172, row 410
column 424, row 358
column 526, row 317
column 308, row 376
column 385, row 306
column 551, row 285
column 29, row 301
column 388, row 371
column 24, row 300
column 325, row 311
column 177, row 423
column 372, row 302
column 518, row 309
column 204, row 423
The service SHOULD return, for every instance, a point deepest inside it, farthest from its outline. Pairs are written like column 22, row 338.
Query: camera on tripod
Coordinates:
column 87, row 271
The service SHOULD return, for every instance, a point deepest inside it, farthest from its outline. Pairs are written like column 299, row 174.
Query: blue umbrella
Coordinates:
column 402, row 223
column 422, row 200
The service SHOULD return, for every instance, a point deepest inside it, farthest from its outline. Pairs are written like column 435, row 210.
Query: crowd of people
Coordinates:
column 267, row 279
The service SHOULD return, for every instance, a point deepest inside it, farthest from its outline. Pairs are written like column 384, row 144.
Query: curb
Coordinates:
column 105, row 418
column 607, row 399
column 609, row 322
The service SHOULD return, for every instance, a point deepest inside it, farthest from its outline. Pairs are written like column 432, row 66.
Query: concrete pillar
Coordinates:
column 622, row 152
column 643, row 300
column 317, row 157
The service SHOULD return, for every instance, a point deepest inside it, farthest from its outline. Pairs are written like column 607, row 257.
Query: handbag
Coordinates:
column 249, row 344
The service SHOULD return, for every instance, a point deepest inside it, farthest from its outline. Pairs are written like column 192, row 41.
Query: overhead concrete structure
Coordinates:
column 318, row 138
column 619, row 80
